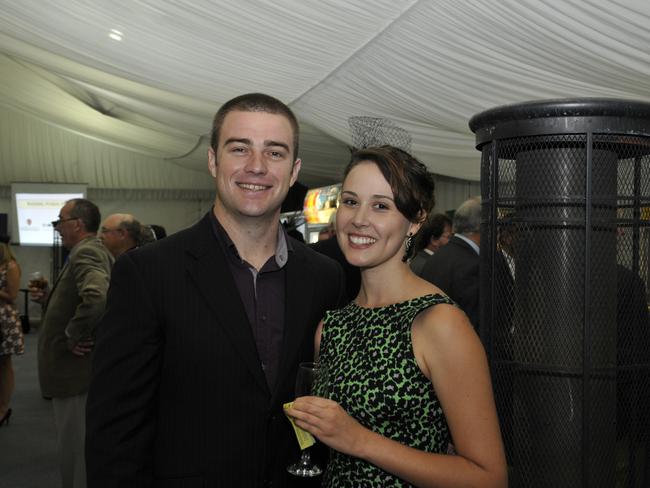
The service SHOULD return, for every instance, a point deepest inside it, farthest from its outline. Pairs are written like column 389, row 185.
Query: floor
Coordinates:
column 28, row 444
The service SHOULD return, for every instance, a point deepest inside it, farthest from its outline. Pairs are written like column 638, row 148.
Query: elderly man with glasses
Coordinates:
column 71, row 310
column 120, row 232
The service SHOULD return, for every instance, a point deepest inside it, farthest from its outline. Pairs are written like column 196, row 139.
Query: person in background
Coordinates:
column 150, row 233
column 11, row 333
column 502, row 328
column 327, row 232
column 290, row 228
column 159, row 231
column 65, row 342
column 204, row 330
column 455, row 267
column 120, row 232
column 632, row 349
column 434, row 234
column 402, row 372
column 330, row 247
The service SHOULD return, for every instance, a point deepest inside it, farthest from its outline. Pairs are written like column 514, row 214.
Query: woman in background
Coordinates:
column 404, row 380
column 11, row 333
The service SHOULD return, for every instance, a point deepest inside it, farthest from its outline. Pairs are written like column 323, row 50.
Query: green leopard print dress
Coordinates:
column 368, row 367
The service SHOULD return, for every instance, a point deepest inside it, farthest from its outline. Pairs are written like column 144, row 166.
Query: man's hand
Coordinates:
column 82, row 347
column 39, row 292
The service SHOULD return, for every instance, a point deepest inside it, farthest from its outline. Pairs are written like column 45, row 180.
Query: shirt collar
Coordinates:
column 470, row 242
column 282, row 249
column 85, row 239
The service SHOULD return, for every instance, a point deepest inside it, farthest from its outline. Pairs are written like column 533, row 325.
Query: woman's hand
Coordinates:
column 332, row 425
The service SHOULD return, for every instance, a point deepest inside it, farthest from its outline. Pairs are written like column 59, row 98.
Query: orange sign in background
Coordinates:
column 320, row 204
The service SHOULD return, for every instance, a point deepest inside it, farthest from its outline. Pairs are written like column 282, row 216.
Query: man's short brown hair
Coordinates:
column 254, row 102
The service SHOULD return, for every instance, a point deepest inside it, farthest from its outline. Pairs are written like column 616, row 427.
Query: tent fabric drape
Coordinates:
column 32, row 150
column 138, row 111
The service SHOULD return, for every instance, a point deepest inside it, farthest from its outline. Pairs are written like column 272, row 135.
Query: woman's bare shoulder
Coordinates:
column 13, row 266
column 445, row 323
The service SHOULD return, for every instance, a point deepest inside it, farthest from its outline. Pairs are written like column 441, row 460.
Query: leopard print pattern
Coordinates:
column 368, row 366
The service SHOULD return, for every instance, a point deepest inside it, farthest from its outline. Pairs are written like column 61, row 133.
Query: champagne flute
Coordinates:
column 36, row 280
column 37, row 287
column 305, row 467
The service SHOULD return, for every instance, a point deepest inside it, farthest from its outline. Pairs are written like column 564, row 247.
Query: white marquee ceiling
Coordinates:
column 78, row 105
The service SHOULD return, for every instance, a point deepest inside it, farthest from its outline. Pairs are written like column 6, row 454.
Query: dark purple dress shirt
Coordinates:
column 263, row 295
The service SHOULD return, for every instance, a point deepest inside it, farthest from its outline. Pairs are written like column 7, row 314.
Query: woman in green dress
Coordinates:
column 404, row 395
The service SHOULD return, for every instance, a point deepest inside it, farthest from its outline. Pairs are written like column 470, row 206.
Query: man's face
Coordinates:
column 442, row 241
column 69, row 228
column 112, row 236
column 253, row 165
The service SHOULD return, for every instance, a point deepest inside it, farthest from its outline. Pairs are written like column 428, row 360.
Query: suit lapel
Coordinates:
column 56, row 283
column 298, row 298
column 209, row 269
column 66, row 265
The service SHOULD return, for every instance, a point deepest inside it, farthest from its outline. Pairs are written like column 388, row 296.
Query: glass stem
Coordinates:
column 305, row 459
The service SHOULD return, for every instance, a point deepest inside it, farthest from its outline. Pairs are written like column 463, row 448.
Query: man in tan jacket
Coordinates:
column 72, row 308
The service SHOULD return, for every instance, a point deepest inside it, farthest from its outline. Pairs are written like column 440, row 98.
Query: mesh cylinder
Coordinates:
column 564, row 308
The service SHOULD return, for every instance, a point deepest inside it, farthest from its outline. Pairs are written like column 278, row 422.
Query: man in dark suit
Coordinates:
column 500, row 340
column 329, row 246
column 455, row 267
column 632, row 348
column 204, row 330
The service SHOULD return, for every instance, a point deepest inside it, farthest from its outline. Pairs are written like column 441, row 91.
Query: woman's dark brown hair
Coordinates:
column 410, row 180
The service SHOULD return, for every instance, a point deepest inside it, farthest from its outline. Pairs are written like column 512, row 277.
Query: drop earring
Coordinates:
column 409, row 247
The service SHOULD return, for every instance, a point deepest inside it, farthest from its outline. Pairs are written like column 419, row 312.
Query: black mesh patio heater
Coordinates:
column 565, row 242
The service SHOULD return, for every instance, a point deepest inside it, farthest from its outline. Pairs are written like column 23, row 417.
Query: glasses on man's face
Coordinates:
column 57, row 222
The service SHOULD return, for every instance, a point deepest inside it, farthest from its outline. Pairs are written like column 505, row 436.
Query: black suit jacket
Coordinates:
column 330, row 247
column 178, row 397
column 454, row 269
column 502, row 329
column 500, row 342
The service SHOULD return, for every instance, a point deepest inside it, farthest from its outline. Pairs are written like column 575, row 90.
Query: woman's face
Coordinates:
column 369, row 227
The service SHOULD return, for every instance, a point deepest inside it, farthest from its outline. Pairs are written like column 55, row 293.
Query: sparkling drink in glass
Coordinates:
column 305, row 467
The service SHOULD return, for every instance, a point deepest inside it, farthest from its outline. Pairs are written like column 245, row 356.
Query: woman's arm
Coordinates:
column 451, row 355
column 10, row 292
column 317, row 336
